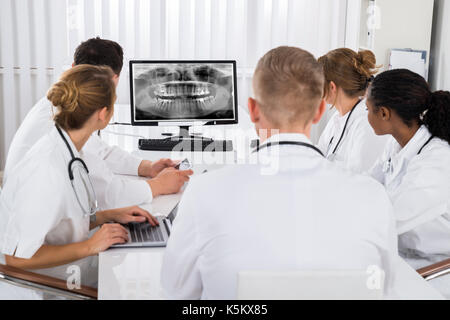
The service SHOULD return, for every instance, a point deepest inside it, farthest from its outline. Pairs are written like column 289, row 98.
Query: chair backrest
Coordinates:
column 309, row 285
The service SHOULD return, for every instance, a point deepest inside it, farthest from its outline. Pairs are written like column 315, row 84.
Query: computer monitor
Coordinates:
column 183, row 92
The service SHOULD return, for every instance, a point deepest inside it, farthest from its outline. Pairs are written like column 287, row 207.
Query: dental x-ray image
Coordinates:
column 183, row 91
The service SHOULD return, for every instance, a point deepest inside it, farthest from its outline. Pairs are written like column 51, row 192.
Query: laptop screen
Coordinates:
column 173, row 214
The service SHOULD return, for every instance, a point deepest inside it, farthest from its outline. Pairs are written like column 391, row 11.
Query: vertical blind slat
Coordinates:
column 7, row 99
column 97, row 17
column 144, row 28
column 202, row 29
column 89, row 19
column 39, row 36
column 114, row 19
column 106, row 20
column 218, row 29
column 60, row 56
column 186, row 30
column 157, row 30
column 23, row 53
column 172, row 32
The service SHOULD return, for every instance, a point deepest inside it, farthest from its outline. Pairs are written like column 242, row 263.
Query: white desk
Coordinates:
column 135, row 273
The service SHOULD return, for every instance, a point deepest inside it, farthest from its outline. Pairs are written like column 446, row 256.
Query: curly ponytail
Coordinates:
column 437, row 117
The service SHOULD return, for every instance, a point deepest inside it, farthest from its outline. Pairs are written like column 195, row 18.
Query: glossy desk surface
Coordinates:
column 135, row 274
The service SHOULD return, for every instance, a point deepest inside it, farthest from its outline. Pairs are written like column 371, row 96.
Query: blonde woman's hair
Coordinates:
column 352, row 71
column 80, row 92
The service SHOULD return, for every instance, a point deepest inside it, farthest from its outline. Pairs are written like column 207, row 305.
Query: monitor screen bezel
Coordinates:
column 184, row 121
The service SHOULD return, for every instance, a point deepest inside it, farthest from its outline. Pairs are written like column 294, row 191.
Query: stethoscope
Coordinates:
column 388, row 165
column 92, row 207
column 343, row 131
column 282, row 143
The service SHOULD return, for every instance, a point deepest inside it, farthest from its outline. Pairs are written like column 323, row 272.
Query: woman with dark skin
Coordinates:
column 415, row 165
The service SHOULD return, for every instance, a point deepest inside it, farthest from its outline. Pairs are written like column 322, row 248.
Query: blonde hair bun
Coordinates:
column 64, row 95
column 366, row 63
column 349, row 70
column 81, row 91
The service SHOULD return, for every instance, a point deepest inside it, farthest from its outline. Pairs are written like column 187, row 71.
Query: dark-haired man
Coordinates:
column 104, row 161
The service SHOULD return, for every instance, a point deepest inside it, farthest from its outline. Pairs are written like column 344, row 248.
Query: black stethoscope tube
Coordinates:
column 345, row 127
column 296, row 143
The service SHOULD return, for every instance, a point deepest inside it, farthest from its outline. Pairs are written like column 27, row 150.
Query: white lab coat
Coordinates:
column 104, row 161
column 38, row 206
column 299, row 211
column 359, row 148
column 419, row 188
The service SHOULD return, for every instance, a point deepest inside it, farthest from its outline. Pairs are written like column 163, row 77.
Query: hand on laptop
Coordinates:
column 108, row 235
column 133, row 214
column 125, row 215
column 152, row 169
column 169, row 181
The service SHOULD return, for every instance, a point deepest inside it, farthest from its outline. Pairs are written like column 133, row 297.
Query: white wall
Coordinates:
column 403, row 24
column 440, row 47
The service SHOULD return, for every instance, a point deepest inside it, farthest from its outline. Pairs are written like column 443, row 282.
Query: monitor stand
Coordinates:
column 186, row 142
column 184, row 135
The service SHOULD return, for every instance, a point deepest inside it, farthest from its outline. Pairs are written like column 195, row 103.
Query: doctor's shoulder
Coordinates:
column 43, row 157
column 437, row 147
column 435, row 157
column 35, row 179
column 218, row 183
column 365, row 193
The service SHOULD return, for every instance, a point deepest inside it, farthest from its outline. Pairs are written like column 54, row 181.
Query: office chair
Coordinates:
column 435, row 270
column 44, row 284
column 307, row 285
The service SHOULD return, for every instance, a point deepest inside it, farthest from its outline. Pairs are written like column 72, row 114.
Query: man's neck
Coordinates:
column 265, row 134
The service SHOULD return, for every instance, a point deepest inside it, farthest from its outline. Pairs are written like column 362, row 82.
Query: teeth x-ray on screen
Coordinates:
column 177, row 91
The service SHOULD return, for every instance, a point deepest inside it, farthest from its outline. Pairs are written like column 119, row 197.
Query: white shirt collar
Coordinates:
column 400, row 157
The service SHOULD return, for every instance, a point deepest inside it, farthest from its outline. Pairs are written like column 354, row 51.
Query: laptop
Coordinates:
column 143, row 234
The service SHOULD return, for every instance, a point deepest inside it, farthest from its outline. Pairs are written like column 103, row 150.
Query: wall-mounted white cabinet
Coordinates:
column 387, row 24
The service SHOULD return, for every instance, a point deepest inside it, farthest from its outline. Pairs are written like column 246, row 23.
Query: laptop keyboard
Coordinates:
column 145, row 232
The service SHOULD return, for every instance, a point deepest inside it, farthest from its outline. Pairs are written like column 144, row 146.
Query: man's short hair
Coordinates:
column 96, row 51
column 288, row 84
